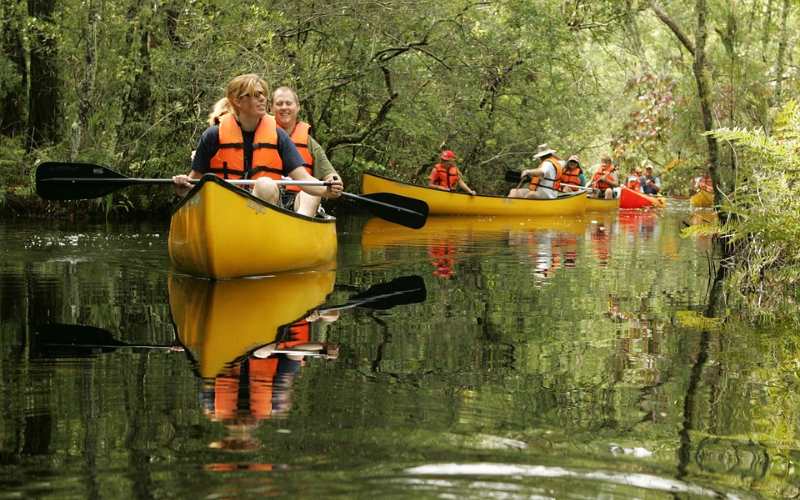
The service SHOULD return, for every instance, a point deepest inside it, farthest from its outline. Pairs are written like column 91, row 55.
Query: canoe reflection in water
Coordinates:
column 249, row 339
column 446, row 238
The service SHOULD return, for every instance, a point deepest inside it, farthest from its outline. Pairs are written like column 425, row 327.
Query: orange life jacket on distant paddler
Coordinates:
column 570, row 175
column 634, row 184
column 554, row 160
column 229, row 161
column 598, row 180
column 444, row 175
column 300, row 137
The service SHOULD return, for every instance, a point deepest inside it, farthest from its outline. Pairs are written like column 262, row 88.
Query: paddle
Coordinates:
column 81, row 181
column 514, row 176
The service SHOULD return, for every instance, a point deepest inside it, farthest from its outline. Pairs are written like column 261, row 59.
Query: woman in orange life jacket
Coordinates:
column 604, row 179
column 572, row 175
column 285, row 108
column 446, row 175
column 247, row 143
column 634, row 182
column 543, row 177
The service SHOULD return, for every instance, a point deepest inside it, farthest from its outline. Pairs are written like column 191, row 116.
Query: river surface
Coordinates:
column 477, row 357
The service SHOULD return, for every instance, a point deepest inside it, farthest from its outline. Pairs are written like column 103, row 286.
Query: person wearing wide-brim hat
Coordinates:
column 446, row 176
column 543, row 178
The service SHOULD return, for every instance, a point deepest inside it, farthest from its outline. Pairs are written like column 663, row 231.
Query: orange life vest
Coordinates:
column 445, row 175
column 598, row 180
column 553, row 159
column 634, row 184
column 229, row 161
column 300, row 138
column 261, row 381
column 569, row 176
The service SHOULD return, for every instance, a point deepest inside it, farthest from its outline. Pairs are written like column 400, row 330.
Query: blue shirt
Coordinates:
column 208, row 145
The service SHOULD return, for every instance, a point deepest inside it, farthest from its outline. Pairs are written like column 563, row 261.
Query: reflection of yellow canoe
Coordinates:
column 220, row 231
column 447, row 203
column 601, row 205
column 220, row 321
column 702, row 199
column 378, row 233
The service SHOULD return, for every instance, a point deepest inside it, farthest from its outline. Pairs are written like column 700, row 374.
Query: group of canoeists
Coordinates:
column 554, row 176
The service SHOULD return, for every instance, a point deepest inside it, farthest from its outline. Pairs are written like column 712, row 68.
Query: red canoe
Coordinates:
column 629, row 198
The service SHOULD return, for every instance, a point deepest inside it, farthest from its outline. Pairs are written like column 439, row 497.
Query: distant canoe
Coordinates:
column 602, row 205
column 702, row 199
column 451, row 203
column 220, row 231
column 221, row 321
column 629, row 198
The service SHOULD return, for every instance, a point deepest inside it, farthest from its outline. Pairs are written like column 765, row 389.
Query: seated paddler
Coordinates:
column 446, row 176
column 247, row 143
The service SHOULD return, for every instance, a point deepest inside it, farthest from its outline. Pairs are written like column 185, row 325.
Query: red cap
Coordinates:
column 448, row 155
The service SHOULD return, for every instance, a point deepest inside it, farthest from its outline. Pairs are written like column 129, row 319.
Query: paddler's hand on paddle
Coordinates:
column 336, row 187
column 182, row 184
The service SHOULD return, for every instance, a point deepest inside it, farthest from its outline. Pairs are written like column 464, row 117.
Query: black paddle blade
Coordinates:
column 398, row 292
column 57, row 340
column 76, row 181
column 409, row 212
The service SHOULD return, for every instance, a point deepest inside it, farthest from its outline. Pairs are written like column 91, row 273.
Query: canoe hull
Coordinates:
column 630, row 199
column 602, row 205
column 220, row 231
column 448, row 203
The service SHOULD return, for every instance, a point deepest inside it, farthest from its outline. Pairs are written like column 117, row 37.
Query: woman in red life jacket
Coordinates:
column 285, row 107
column 247, row 143
column 446, row 175
column 604, row 179
column 634, row 181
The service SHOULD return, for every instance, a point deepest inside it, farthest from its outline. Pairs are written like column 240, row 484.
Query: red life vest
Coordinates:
column 553, row 159
column 445, row 175
column 569, row 176
column 634, row 184
column 300, row 138
column 229, row 163
column 598, row 180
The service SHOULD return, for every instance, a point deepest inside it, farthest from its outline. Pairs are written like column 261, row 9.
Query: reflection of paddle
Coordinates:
column 81, row 181
column 399, row 291
column 514, row 176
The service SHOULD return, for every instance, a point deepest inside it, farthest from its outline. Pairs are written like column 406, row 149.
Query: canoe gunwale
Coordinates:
column 456, row 193
column 245, row 194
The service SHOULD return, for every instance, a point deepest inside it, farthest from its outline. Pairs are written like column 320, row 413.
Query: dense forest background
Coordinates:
column 685, row 85
column 129, row 84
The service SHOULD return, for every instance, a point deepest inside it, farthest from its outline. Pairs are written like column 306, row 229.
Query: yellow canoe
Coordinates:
column 702, row 199
column 449, row 203
column 601, row 205
column 220, row 231
column 377, row 233
column 221, row 321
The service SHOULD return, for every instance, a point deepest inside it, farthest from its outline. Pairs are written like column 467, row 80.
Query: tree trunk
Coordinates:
column 86, row 95
column 45, row 101
column 779, row 64
column 13, row 96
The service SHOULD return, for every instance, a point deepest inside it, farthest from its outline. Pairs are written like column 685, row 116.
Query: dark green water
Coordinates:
column 562, row 359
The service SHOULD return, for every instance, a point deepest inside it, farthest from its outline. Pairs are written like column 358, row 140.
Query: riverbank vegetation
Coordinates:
column 388, row 85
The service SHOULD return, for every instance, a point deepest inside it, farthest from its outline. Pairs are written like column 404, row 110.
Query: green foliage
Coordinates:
column 764, row 225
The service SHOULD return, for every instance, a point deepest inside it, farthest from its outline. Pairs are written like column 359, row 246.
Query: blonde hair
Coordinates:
column 244, row 84
column 220, row 108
